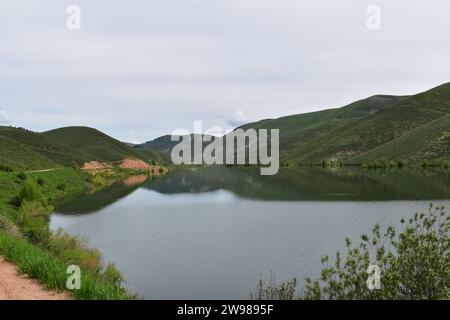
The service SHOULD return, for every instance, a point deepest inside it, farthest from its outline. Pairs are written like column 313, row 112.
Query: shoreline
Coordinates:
column 26, row 242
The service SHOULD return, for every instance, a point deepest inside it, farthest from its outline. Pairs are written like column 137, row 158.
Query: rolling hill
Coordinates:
column 163, row 146
column 23, row 149
column 411, row 128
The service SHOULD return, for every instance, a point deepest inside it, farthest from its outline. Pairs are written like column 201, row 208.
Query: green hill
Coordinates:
column 163, row 146
column 304, row 133
column 18, row 157
column 403, row 128
column 24, row 149
column 91, row 143
column 430, row 141
column 412, row 128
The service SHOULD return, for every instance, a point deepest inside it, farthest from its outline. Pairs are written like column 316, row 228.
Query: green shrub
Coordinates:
column 74, row 250
column 99, row 181
column 40, row 182
column 61, row 187
column 271, row 291
column 6, row 168
column 33, row 220
column 112, row 274
column 383, row 163
column 414, row 264
column 30, row 191
column 21, row 175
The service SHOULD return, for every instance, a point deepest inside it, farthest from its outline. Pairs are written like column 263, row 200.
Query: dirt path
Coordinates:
column 42, row 170
column 14, row 286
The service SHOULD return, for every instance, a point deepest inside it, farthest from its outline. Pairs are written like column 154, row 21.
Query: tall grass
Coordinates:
column 26, row 239
column 51, row 270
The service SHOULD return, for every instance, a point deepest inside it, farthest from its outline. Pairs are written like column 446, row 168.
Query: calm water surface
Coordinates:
column 209, row 233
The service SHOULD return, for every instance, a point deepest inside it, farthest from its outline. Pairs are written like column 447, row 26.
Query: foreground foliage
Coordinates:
column 51, row 270
column 26, row 239
column 414, row 264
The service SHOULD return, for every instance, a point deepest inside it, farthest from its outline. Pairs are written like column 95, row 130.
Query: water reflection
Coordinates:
column 291, row 184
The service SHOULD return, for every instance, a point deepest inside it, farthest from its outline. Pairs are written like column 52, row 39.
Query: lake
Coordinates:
column 209, row 233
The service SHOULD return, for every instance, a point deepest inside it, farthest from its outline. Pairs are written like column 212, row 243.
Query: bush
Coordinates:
column 5, row 168
column 61, row 187
column 383, row 163
column 21, row 175
column 271, row 291
column 30, row 191
column 112, row 274
column 40, row 182
column 99, row 181
column 74, row 250
column 33, row 220
column 414, row 264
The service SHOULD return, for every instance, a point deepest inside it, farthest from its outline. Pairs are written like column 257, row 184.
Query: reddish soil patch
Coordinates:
column 133, row 164
column 95, row 165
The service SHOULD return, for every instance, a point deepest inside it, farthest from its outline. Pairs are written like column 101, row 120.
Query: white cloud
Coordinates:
column 238, row 119
column 4, row 117
column 130, row 137
column 217, row 131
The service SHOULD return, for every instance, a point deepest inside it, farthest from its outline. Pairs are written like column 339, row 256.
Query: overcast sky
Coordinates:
column 138, row 69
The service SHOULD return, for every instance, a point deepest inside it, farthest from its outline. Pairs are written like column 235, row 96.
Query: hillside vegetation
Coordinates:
column 410, row 128
column 402, row 128
column 22, row 149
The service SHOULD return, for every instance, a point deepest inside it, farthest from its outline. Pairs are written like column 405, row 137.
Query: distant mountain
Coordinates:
column 129, row 144
column 163, row 145
column 24, row 149
column 411, row 128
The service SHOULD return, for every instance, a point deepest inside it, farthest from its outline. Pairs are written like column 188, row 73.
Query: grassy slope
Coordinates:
column 23, row 149
column 19, row 157
column 299, row 132
column 56, row 152
column 162, row 146
column 365, row 126
column 92, row 142
column 11, row 184
column 382, row 127
column 430, row 141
